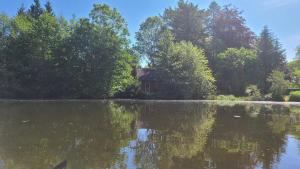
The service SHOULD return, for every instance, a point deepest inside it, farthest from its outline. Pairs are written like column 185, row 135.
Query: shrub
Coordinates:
column 279, row 85
column 295, row 96
column 268, row 97
column 253, row 92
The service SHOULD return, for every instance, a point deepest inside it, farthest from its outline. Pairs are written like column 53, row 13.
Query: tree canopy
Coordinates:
column 49, row 57
column 185, row 73
column 236, row 69
column 190, row 48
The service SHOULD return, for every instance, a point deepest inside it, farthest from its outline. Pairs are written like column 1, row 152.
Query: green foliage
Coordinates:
column 236, row 70
column 186, row 22
column 213, row 30
column 294, row 68
column 228, row 27
column 48, row 8
column 49, row 57
column 148, row 38
column 271, row 57
column 279, row 85
column 295, row 96
column 253, row 92
column 44, row 56
column 298, row 53
column 229, row 98
column 184, row 72
column 36, row 9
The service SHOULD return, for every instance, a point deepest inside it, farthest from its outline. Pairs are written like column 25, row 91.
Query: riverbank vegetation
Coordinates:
column 195, row 53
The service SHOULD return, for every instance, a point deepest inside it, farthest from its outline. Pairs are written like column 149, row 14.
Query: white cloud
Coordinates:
column 278, row 3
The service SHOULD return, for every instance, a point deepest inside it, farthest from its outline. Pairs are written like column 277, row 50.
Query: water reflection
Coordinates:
column 148, row 135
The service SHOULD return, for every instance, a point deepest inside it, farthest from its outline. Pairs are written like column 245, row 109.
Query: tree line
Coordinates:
column 237, row 58
column 195, row 53
column 45, row 56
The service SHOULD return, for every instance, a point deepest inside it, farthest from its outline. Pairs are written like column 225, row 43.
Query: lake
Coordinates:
column 148, row 135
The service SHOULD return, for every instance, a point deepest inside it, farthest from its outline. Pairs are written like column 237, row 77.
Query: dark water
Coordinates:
column 148, row 135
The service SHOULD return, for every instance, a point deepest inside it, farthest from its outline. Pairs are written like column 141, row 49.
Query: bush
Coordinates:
column 253, row 92
column 268, row 97
column 279, row 85
column 295, row 96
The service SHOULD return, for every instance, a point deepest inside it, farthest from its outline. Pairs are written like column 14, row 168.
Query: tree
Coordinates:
column 186, row 22
column 48, row 8
column 213, row 44
column 236, row 69
column 36, row 9
column 298, row 53
column 5, row 27
column 148, row 38
column 270, row 55
column 228, row 26
column 253, row 92
column 29, row 54
column 21, row 10
column 279, row 85
column 110, row 19
column 294, row 70
column 227, row 29
column 53, row 58
column 7, row 80
column 99, row 63
column 185, row 73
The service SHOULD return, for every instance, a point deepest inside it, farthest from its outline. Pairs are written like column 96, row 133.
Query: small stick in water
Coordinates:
column 62, row 165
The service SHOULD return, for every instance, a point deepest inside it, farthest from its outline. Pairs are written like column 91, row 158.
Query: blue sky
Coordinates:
column 281, row 16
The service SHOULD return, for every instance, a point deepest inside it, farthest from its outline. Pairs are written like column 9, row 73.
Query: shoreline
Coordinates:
column 161, row 101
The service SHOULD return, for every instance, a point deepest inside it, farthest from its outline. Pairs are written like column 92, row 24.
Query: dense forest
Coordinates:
column 196, row 54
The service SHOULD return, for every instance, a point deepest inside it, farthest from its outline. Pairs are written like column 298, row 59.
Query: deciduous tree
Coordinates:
column 236, row 69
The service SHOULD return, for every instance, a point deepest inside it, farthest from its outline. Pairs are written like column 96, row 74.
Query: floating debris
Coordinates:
column 62, row 165
column 25, row 121
column 237, row 116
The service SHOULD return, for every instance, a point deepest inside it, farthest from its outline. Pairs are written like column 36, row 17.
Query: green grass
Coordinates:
column 231, row 98
column 295, row 96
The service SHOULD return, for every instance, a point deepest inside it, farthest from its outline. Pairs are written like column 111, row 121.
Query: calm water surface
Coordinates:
column 148, row 135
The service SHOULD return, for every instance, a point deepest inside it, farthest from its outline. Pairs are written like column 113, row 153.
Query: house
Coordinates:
column 149, row 80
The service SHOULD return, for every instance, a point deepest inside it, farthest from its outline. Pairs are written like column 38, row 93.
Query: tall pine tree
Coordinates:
column 36, row 9
column 271, row 56
column 21, row 10
column 49, row 8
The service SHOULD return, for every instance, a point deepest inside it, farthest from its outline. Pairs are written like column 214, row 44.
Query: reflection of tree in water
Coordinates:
column 87, row 135
column 254, row 139
column 295, row 118
column 194, row 136
column 175, row 135
column 176, row 132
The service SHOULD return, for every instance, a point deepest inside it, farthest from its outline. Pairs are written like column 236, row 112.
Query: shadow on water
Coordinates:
column 148, row 135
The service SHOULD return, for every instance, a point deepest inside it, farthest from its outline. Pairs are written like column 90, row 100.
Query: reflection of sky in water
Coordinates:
column 142, row 135
column 291, row 158
column 2, row 164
